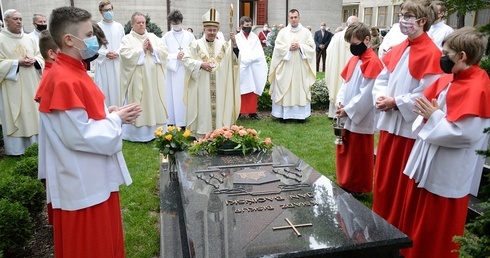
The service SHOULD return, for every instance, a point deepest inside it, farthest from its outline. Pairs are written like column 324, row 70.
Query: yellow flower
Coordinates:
column 168, row 137
column 170, row 128
column 186, row 133
column 158, row 131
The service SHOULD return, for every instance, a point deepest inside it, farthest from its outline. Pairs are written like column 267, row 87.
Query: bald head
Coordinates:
column 351, row 20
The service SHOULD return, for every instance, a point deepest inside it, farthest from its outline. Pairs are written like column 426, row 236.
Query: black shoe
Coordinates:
column 301, row 121
column 254, row 116
column 240, row 116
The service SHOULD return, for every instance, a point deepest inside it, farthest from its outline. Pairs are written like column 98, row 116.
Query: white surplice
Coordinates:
column 438, row 32
column 356, row 95
column 81, row 157
column 252, row 64
column 107, row 71
column 404, row 89
column 292, row 73
column 143, row 82
column 443, row 159
column 18, row 110
column 176, row 41
column 338, row 54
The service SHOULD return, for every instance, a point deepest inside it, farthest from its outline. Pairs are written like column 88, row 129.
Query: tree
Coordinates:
column 462, row 7
column 150, row 27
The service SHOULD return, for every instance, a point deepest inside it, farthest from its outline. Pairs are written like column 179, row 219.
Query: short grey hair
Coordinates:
column 9, row 13
column 36, row 15
column 352, row 19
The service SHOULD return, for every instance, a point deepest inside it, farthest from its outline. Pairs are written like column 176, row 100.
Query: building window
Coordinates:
column 355, row 12
column 396, row 11
column 368, row 16
column 382, row 15
column 345, row 15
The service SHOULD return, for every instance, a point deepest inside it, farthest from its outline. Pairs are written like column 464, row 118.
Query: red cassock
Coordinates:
column 249, row 103
column 355, row 164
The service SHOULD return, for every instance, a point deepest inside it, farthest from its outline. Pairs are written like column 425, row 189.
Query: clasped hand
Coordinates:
column 147, row 45
column 127, row 113
column 294, row 46
column 27, row 61
column 384, row 103
column 425, row 108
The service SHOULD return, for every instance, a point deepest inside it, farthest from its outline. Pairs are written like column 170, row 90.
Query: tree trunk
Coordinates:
column 460, row 19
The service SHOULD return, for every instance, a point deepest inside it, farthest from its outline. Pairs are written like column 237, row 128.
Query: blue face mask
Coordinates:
column 108, row 15
column 92, row 47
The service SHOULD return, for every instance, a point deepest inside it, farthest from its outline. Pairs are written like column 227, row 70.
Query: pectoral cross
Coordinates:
column 180, row 48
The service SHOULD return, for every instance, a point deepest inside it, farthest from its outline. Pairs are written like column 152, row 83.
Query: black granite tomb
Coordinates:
column 265, row 205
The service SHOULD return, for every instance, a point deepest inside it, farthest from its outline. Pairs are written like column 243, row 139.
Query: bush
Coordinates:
column 27, row 191
column 15, row 226
column 485, row 65
column 319, row 95
column 265, row 101
column 150, row 27
column 27, row 167
column 31, row 151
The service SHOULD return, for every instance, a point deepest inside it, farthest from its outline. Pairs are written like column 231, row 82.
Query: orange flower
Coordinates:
column 168, row 137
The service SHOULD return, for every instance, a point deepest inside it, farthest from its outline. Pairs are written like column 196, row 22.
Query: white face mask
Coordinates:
column 265, row 28
column 176, row 27
column 408, row 27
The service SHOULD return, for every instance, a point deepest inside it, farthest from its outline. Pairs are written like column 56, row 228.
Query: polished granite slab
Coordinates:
column 265, row 205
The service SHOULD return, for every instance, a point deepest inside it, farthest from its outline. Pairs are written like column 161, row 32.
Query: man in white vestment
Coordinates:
column 211, row 95
column 292, row 71
column 40, row 24
column 177, row 41
column 391, row 39
column 439, row 29
column 20, row 63
column 108, row 64
column 143, row 58
column 338, row 54
column 251, row 66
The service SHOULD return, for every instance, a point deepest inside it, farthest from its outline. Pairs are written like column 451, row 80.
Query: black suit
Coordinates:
column 321, row 53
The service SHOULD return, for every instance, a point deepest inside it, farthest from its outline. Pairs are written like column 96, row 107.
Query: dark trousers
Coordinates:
column 322, row 54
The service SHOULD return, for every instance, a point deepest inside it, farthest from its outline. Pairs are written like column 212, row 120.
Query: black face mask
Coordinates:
column 446, row 64
column 41, row 27
column 357, row 50
column 247, row 30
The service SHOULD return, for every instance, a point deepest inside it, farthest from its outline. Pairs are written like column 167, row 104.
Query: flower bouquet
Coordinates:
column 175, row 139
column 230, row 140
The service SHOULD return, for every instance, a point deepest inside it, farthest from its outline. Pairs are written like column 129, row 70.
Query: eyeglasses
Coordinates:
column 444, row 53
column 406, row 16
